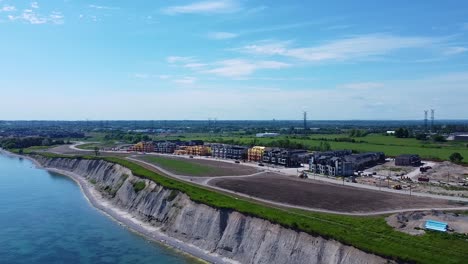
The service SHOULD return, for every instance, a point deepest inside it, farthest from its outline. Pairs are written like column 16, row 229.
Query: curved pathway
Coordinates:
column 204, row 182
column 278, row 204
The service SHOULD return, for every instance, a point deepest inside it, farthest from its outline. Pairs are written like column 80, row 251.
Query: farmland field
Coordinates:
column 390, row 145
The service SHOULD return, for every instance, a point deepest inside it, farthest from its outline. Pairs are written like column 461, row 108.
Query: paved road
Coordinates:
column 278, row 204
column 204, row 182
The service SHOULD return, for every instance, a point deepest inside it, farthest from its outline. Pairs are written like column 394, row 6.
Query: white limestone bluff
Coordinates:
column 226, row 233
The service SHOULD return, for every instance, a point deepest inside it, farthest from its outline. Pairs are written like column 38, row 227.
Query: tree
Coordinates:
column 96, row 151
column 421, row 136
column 46, row 142
column 456, row 157
column 439, row 138
column 399, row 132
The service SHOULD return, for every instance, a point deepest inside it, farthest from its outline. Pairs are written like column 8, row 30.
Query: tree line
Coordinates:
column 20, row 143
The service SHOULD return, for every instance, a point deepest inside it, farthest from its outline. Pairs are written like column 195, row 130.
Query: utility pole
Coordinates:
column 425, row 121
column 432, row 120
column 305, row 121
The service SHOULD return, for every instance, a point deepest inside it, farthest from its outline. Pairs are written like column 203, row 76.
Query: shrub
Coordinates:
column 456, row 157
column 172, row 195
column 138, row 186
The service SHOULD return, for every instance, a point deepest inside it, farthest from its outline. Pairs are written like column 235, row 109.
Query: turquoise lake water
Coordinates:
column 44, row 218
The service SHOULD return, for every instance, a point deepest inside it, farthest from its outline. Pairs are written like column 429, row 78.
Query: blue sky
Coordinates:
column 233, row 59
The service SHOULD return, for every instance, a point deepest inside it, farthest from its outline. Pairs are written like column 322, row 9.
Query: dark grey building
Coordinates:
column 164, row 147
column 461, row 137
column 224, row 151
column 408, row 160
column 342, row 162
column 284, row 157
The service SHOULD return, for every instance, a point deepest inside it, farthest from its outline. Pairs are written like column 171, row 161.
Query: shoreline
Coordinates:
column 126, row 219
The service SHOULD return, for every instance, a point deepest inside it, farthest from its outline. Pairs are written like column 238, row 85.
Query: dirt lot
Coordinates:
column 447, row 170
column 322, row 195
column 390, row 169
column 204, row 168
column 413, row 222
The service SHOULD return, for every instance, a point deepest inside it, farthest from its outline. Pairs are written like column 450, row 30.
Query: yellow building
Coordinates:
column 198, row 150
column 143, row 147
column 182, row 150
column 255, row 153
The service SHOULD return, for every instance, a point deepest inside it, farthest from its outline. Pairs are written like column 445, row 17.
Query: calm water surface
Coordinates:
column 44, row 218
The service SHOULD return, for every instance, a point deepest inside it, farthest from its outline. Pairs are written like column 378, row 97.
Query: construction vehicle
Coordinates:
column 303, row 175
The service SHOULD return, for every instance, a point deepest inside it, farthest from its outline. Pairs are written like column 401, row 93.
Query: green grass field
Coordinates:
column 370, row 234
column 32, row 149
column 390, row 145
column 180, row 167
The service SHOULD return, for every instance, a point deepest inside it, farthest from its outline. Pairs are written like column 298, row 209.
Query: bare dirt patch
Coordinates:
column 447, row 171
column 413, row 222
column 321, row 195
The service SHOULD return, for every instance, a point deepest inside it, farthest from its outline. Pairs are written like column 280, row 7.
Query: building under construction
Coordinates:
column 198, row 150
column 343, row 162
column 255, row 154
column 225, row 151
column 144, row 146
column 284, row 157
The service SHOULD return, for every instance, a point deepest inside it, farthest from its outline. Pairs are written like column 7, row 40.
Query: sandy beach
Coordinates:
column 128, row 220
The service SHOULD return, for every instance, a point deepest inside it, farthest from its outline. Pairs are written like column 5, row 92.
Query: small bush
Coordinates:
column 93, row 181
column 138, row 186
column 172, row 195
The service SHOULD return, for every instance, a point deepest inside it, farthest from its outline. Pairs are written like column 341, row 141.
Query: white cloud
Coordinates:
column 204, row 7
column 455, row 50
column 362, row 85
column 35, row 5
column 7, row 8
column 164, row 77
column 29, row 16
column 103, row 7
column 240, row 68
column 141, row 75
column 222, row 35
column 178, row 59
column 185, row 80
column 357, row 47
column 337, row 27
column 256, row 9
column 195, row 65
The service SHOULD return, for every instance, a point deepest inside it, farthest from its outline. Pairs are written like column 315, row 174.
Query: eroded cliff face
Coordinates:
column 227, row 233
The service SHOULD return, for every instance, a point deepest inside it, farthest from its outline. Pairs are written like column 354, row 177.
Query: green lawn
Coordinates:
column 370, row 234
column 32, row 149
column 179, row 166
column 390, row 145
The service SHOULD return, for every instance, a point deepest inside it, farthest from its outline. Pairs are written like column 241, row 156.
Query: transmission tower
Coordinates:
column 305, row 120
column 425, row 120
column 432, row 119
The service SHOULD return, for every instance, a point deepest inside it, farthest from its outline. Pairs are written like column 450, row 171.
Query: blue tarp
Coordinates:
column 436, row 225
